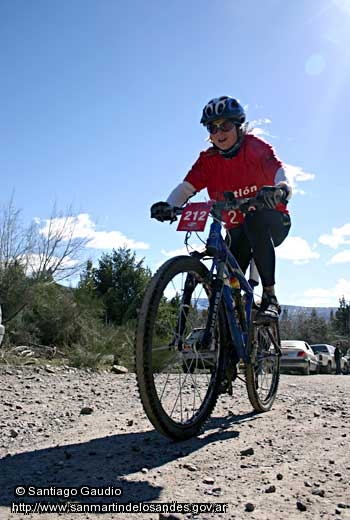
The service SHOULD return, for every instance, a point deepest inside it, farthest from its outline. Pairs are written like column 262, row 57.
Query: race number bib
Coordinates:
column 232, row 218
column 194, row 216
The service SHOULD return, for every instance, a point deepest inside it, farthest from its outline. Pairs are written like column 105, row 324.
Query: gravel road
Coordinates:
column 64, row 428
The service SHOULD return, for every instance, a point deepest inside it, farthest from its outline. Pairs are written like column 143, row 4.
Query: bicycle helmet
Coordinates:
column 224, row 107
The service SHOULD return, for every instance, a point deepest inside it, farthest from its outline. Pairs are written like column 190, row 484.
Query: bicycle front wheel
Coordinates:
column 178, row 377
column 263, row 368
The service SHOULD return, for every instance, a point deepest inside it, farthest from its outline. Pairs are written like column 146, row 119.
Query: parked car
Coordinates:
column 325, row 354
column 347, row 357
column 194, row 357
column 298, row 355
column 345, row 366
column 2, row 328
column 194, row 338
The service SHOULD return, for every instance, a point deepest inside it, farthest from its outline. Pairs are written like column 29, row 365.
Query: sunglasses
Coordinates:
column 225, row 126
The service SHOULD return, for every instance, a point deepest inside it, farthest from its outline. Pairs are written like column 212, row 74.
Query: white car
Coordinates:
column 347, row 357
column 344, row 364
column 325, row 354
column 2, row 328
column 298, row 355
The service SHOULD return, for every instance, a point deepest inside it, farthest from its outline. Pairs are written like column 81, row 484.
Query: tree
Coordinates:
column 341, row 324
column 286, row 325
column 56, row 247
column 314, row 329
column 120, row 280
column 305, row 326
column 53, row 318
column 15, row 289
column 341, row 321
column 34, row 254
column 15, row 240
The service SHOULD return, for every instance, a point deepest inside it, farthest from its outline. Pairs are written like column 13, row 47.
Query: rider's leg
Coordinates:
column 240, row 247
column 253, row 274
column 265, row 230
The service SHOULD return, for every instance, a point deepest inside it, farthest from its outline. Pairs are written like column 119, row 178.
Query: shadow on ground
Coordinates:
column 107, row 461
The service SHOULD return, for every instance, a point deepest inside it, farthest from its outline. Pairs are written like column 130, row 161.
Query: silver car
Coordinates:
column 298, row 355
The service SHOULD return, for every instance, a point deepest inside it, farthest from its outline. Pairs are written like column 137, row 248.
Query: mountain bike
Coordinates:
column 199, row 329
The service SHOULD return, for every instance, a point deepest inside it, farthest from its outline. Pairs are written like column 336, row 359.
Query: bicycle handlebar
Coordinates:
column 243, row 205
column 163, row 211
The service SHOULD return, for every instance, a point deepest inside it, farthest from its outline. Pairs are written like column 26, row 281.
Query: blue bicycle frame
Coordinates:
column 226, row 266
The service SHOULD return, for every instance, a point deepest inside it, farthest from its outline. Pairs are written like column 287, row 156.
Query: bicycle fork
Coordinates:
column 190, row 285
column 232, row 314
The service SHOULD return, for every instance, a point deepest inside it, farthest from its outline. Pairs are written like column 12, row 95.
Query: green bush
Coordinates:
column 100, row 342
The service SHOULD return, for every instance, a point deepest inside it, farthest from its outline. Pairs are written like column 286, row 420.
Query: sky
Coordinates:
column 100, row 108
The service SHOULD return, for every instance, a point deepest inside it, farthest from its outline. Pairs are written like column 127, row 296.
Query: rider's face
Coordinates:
column 224, row 140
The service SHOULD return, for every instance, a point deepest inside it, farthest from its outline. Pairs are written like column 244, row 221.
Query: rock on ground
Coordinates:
column 67, row 428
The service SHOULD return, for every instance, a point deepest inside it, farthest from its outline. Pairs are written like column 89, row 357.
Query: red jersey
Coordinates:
column 255, row 165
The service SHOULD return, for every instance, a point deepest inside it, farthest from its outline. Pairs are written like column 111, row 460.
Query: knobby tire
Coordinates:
column 263, row 368
column 197, row 372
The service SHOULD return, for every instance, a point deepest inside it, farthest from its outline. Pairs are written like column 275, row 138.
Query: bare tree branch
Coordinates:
column 43, row 252
column 58, row 247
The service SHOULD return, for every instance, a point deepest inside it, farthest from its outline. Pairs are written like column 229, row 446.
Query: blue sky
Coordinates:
column 100, row 109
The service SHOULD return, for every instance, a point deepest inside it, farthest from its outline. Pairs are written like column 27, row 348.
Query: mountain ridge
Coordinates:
column 292, row 310
column 322, row 312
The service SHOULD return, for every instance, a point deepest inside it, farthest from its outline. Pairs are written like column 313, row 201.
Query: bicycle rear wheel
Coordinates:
column 263, row 369
column 178, row 378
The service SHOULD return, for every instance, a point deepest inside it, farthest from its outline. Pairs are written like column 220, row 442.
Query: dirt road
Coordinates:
column 64, row 428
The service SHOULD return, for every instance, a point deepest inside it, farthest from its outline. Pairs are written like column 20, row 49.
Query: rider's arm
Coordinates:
column 181, row 194
column 281, row 180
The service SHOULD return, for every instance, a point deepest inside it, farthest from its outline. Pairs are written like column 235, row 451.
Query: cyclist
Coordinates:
column 244, row 164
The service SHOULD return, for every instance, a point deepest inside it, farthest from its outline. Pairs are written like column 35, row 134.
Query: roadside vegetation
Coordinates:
column 313, row 328
column 93, row 322
column 84, row 325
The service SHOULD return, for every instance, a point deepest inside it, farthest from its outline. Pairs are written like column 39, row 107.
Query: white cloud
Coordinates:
column 320, row 297
column 33, row 263
column 343, row 288
column 341, row 258
column 256, row 129
column 113, row 240
column 296, row 175
column 337, row 237
column 81, row 226
column 297, row 250
column 259, row 132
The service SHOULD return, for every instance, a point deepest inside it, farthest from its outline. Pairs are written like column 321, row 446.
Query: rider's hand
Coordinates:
column 162, row 211
column 271, row 196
